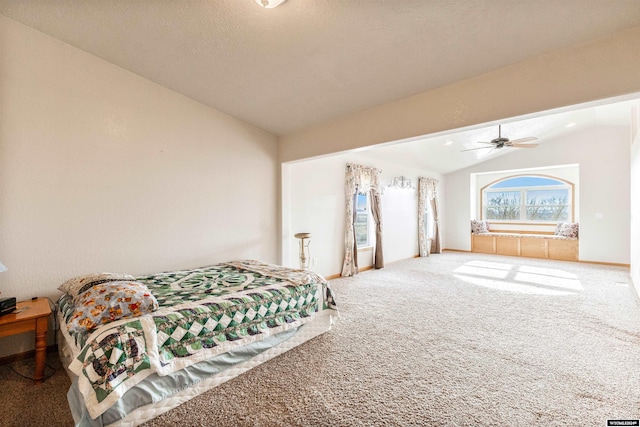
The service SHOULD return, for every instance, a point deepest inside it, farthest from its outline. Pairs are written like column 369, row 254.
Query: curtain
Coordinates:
column 436, row 242
column 350, row 263
column 376, row 211
column 422, row 207
column 432, row 195
column 360, row 179
column 428, row 193
column 355, row 242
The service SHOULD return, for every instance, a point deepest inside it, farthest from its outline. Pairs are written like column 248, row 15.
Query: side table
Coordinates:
column 30, row 315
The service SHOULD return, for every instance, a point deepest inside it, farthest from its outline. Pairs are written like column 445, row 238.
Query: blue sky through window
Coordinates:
column 526, row 181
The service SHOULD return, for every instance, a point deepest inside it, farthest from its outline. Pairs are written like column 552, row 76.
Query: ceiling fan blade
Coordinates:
column 478, row 148
column 523, row 145
column 484, row 142
column 518, row 141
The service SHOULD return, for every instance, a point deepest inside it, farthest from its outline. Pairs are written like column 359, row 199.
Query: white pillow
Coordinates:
column 80, row 284
column 568, row 229
column 479, row 226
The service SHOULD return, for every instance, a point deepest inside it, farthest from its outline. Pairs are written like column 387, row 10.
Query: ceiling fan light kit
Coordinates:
column 501, row 142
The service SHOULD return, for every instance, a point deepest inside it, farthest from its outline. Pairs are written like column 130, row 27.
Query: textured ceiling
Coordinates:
column 309, row 61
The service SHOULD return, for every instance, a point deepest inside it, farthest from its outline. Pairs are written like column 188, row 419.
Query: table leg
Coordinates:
column 41, row 349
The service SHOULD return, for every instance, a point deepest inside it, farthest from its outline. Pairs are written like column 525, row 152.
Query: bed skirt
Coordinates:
column 244, row 360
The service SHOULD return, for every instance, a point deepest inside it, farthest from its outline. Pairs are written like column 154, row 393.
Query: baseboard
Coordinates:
column 26, row 355
column 404, row 259
column 455, row 250
column 369, row 267
column 615, row 264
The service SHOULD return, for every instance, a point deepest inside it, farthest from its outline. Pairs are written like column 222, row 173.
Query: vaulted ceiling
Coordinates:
column 310, row 61
column 445, row 152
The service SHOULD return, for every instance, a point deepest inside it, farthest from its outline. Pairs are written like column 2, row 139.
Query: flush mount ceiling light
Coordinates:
column 270, row 4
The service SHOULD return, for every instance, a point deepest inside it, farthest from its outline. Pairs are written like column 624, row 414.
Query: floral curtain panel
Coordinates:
column 376, row 212
column 428, row 193
column 360, row 179
column 422, row 207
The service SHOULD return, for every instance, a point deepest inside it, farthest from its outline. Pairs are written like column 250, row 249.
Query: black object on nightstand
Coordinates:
column 7, row 305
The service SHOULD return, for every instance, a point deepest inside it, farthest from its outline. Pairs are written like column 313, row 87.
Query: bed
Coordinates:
column 137, row 347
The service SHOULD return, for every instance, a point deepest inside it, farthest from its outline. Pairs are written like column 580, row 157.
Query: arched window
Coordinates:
column 528, row 198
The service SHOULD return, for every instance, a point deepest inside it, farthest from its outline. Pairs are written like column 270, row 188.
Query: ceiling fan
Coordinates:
column 501, row 142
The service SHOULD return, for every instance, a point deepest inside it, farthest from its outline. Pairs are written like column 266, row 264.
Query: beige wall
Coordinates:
column 101, row 170
column 583, row 73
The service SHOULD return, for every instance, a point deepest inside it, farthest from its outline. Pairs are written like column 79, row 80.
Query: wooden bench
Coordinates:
column 549, row 246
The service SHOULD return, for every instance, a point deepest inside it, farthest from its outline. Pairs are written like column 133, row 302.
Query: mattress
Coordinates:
column 166, row 383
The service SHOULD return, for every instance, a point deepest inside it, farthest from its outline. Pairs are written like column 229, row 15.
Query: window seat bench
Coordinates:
column 548, row 246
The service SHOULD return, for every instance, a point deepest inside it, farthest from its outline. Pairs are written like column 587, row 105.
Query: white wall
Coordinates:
column 314, row 201
column 101, row 170
column 602, row 154
column 635, row 197
column 588, row 72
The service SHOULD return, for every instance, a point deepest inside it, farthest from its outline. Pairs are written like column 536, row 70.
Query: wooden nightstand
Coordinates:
column 35, row 317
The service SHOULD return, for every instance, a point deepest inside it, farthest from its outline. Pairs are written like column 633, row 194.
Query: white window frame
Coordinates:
column 523, row 199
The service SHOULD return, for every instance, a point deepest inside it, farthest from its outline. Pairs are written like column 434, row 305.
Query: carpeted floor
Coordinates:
column 24, row 404
column 455, row 339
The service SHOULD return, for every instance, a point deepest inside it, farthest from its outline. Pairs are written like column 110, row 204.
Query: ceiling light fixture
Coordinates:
column 270, row 4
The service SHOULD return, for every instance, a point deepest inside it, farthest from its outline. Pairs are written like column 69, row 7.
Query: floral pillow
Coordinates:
column 80, row 284
column 111, row 301
column 567, row 229
column 559, row 228
column 479, row 226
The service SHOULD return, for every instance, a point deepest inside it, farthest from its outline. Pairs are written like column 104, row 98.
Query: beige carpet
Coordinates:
column 24, row 404
column 455, row 339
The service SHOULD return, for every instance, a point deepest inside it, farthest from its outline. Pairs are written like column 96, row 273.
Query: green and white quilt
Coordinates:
column 203, row 313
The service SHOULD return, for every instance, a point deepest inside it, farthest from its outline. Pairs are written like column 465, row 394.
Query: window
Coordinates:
column 362, row 219
column 528, row 199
